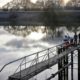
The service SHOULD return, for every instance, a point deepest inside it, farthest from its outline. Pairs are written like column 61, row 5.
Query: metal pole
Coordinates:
column 65, row 63
column 53, row 75
column 37, row 60
column 78, row 64
column 66, row 70
column 71, row 65
column 20, row 71
column 25, row 62
column 48, row 58
column 59, row 65
column 37, row 57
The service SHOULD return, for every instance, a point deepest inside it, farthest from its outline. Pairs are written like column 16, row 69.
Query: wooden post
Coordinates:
column 78, row 64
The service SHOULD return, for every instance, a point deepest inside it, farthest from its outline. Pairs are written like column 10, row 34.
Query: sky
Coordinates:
column 3, row 2
column 66, row 1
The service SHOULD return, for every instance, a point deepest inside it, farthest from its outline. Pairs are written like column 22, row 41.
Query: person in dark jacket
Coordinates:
column 75, row 39
column 71, row 42
column 79, row 38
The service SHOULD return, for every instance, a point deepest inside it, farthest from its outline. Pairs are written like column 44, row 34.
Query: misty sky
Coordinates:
column 3, row 2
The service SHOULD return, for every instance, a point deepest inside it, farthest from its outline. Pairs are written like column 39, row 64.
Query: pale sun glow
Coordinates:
column 65, row 1
column 3, row 2
column 36, row 35
column 33, row 1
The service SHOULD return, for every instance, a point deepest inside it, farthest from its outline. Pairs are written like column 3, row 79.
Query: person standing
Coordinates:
column 75, row 39
column 79, row 38
column 71, row 42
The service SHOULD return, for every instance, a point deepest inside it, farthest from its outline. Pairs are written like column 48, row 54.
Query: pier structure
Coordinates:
column 45, row 59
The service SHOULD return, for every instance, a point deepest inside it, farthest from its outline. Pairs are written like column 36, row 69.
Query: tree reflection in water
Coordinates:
column 24, row 31
column 50, row 31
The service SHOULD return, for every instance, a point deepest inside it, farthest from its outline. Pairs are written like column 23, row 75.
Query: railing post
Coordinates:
column 63, row 71
column 78, row 64
column 65, row 62
column 48, row 58
column 20, row 67
column 59, row 65
column 66, row 69
column 25, row 62
column 71, row 65
column 63, row 75
column 37, row 60
column 20, row 71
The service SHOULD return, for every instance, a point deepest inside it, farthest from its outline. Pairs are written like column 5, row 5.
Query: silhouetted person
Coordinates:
column 59, row 50
column 79, row 37
column 71, row 41
column 75, row 39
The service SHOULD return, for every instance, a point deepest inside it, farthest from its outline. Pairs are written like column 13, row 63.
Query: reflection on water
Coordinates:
column 54, row 31
column 18, row 41
column 27, row 30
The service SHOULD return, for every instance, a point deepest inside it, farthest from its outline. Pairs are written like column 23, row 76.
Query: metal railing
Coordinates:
column 33, row 59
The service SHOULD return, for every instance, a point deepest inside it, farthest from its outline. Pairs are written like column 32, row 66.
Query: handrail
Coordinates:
column 28, row 56
column 35, row 58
